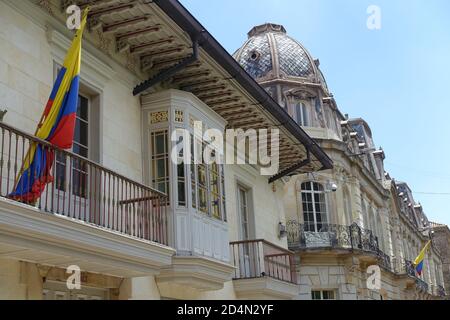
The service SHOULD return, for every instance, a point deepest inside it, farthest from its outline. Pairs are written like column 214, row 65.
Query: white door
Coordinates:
column 251, row 262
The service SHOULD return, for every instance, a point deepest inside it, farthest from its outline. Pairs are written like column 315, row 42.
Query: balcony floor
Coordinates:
column 265, row 288
column 29, row 234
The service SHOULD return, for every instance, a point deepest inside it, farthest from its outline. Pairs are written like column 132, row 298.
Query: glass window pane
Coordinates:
column 222, row 178
column 203, row 205
column 160, row 144
column 306, row 186
column 80, row 150
column 79, row 181
column 81, row 132
column 82, row 108
column 181, row 185
column 161, row 186
column 160, row 168
column 305, row 115
column 181, row 194
column 298, row 113
column 160, row 161
column 60, row 178
column 180, row 170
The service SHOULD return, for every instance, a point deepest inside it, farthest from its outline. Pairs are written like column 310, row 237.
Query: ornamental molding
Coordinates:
column 264, row 288
column 104, row 42
column 198, row 272
column 45, row 4
column 179, row 116
column 93, row 70
column 159, row 117
column 29, row 228
column 103, row 66
column 186, row 101
column 300, row 93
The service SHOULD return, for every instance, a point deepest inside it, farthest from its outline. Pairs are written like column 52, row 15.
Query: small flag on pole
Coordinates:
column 56, row 126
column 418, row 263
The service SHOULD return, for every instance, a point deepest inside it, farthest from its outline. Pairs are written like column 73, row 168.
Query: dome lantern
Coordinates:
column 265, row 28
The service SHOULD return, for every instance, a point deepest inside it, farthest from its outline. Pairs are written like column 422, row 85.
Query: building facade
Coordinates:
column 137, row 225
column 344, row 220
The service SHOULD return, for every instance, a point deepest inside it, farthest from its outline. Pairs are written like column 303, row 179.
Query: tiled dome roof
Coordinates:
column 269, row 53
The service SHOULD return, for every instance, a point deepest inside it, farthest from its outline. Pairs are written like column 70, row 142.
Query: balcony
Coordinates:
column 437, row 291
column 440, row 291
column 87, row 215
column 421, row 285
column 263, row 270
column 407, row 270
column 336, row 238
column 384, row 260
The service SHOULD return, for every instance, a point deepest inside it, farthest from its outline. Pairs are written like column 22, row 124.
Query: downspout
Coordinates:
column 169, row 72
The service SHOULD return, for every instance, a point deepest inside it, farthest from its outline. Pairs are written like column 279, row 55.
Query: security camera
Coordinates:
column 334, row 187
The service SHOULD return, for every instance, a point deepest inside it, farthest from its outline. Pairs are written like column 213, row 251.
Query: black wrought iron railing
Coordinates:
column 421, row 285
column 83, row 190
column 440, row 291
column 409, row 268
column 302, row 236
column 325, row 235
column 384, row 260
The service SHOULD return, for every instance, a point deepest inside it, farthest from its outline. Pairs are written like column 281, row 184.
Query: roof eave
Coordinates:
column 183, row 18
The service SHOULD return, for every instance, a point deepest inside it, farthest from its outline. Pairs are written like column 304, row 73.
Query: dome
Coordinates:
column 269, row 54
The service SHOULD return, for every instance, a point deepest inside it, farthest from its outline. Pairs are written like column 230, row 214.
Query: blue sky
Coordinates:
column 396, row 78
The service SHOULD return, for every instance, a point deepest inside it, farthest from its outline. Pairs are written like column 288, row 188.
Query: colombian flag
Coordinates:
column 418, row 263
column 56, row 126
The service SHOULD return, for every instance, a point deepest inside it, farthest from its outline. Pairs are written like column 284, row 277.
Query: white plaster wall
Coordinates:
column 26, row 79
column 267, row 208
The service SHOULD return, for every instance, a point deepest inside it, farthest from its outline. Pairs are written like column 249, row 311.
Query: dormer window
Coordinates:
column 301, row 115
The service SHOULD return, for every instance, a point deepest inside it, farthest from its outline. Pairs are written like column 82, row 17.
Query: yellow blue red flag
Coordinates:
column 418, row 263
column 56, row 126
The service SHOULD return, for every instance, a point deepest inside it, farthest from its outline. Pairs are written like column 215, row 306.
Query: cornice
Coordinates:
column 108, row 66
column 339, row 146
column 28, row 227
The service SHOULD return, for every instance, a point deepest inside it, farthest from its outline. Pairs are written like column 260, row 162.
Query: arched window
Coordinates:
column 301, row 114
column 406, row 248
column 348, row 219
column 314, row 206
column 372, row 225
column 364, row 214
column 380, row 234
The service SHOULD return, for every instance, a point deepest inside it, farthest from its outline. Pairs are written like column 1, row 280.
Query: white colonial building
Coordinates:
column 138, row 225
